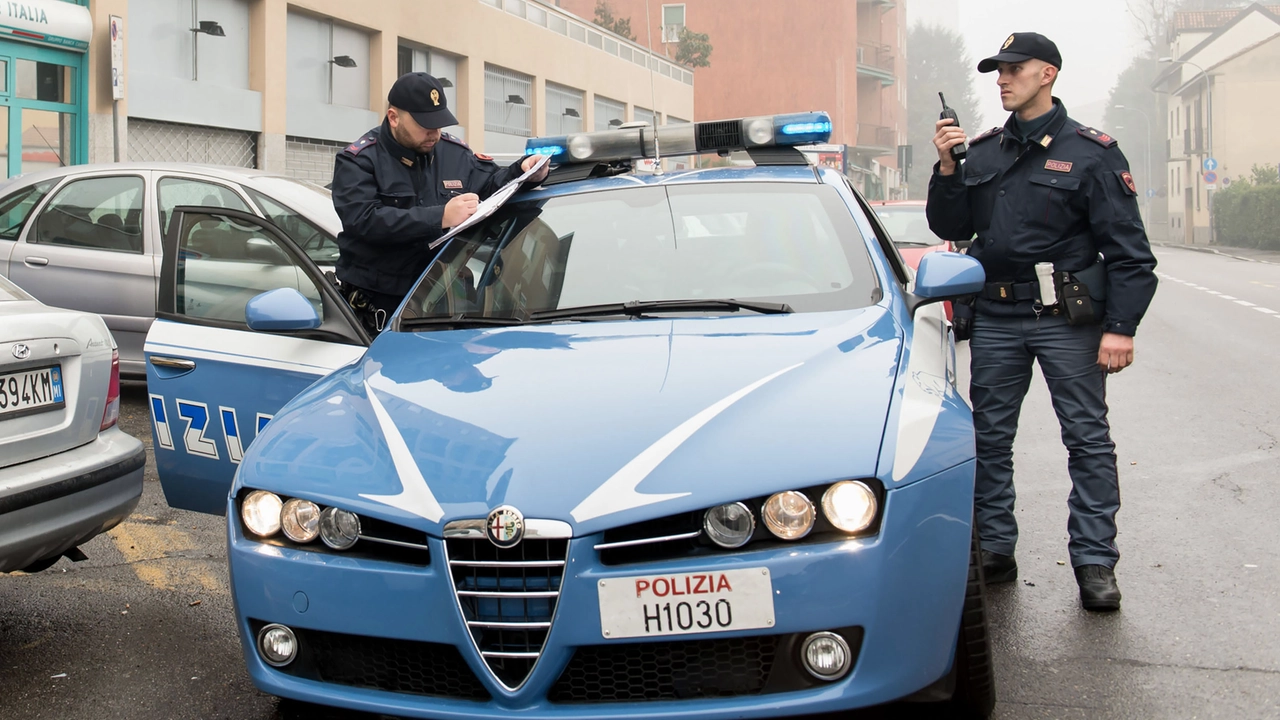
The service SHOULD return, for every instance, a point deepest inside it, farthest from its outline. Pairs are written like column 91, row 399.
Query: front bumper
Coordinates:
column 58, row 502
column 902, row 591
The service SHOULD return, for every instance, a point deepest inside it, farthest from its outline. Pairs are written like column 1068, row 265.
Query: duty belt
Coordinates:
column 1011, row 291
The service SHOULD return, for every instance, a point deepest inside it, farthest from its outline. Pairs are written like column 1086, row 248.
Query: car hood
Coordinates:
column 596, row 423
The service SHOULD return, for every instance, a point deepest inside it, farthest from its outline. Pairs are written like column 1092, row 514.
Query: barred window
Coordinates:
column 609, row 113
column 507, row 97
column 564, row 110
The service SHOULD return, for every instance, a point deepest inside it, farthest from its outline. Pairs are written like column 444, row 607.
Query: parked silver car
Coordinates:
column 87, row 237
column 67, row 472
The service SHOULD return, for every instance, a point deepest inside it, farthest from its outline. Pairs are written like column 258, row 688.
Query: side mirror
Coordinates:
column 265, row 251
column 281, row 309
column 946, row 276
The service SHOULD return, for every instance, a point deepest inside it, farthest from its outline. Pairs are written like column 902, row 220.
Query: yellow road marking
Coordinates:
column 148, row 549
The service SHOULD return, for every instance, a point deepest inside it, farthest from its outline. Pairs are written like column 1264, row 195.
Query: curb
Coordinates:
column 1214, row 251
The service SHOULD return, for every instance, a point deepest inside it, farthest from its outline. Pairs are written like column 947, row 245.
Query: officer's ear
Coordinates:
column 1050, row 75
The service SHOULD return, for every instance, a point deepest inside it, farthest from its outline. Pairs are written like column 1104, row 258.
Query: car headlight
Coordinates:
column 850, row 506
column 729, row 526
column 300, row 520
column 339, row 529
column 789, row 515
column 260, row 512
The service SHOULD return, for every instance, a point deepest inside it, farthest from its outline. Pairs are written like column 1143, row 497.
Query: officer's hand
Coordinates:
column 947, row 137
column 1116, row 352
column 542, row 172
column 459, row 208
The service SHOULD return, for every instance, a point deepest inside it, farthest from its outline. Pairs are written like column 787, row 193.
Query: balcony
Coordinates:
column 876, row 62
column 1193, row 141
column 877, row 140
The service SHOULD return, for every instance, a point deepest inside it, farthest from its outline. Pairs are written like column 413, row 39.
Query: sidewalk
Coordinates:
column 1270, row 257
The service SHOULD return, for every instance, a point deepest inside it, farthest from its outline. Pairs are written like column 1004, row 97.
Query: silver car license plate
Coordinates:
column 31, row 391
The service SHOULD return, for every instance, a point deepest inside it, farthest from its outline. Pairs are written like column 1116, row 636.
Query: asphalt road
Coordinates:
column 143, row 629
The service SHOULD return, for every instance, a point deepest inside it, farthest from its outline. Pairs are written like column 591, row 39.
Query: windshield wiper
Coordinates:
column 458, row 320
column 640, row 307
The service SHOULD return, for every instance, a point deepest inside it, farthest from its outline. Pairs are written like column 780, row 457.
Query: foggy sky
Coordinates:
column 1097, row 39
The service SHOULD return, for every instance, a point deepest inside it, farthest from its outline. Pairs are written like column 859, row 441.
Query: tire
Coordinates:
column 975, row 688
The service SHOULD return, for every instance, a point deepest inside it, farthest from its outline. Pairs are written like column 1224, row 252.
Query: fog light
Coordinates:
column 261, row 513
column 729, row 526
column 339, row 529
column 850, row 506
column 789, row 515
column 277, row 645
column 300, row 520
column 826, row 656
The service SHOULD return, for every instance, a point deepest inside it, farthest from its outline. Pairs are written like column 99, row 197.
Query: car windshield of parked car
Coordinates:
column 781, row 243
column 907, row 225
column 16, row 208
column 304, row 211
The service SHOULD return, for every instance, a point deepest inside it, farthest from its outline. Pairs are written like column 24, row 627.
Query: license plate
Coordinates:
column 685, row 603
column 31, row 391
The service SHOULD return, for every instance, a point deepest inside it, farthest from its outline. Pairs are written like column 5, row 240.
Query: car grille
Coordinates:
column 679, row 670
column 508, row 599
column 400, row 666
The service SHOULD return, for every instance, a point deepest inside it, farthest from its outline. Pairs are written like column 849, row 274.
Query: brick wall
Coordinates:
column 308, row 159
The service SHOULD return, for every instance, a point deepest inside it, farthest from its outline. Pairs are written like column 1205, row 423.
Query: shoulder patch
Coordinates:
column 365, row 142
column 1097, row 136
column 482, row 156
column 454, row 140
column 988, row 134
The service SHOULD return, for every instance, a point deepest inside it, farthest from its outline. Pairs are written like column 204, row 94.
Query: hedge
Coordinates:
column 1248, row 216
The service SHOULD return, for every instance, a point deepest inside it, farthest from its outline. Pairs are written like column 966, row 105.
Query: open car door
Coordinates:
column 214, row 380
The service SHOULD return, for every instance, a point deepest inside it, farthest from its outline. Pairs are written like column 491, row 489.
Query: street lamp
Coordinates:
column 1208, row 91
column 1150, row 177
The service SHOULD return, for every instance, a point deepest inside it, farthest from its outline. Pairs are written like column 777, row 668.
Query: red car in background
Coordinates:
column 909, row 229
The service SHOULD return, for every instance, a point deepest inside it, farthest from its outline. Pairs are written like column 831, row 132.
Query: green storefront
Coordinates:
column 44, row 84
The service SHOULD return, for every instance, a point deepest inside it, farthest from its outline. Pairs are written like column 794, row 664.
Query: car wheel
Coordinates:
column 975, row 682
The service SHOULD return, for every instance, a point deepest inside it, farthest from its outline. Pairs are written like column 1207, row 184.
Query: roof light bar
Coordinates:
column 685, row 138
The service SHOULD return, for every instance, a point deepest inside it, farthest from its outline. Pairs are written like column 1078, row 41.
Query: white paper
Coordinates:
column 491, row 204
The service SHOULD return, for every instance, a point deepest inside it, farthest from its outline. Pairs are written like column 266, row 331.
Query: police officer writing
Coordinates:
column 399, row 187
column 1070, row 274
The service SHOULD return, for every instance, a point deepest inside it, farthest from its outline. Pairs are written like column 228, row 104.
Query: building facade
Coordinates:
column 283, row 85
column 1223, row 78
column 843, row 56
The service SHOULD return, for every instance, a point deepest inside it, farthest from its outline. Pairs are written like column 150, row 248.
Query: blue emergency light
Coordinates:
column 719, row 136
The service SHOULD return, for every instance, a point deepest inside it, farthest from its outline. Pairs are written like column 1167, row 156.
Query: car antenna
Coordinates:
column 653, row 93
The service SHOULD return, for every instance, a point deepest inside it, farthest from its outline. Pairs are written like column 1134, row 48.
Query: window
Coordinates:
column 564, row 110
column 224, row 262
column 103, row 213
column 507, row 98
column 404, row 60
column 788, row 243
column 174, row 191
column 609, row 113
column 672, row 22
column 15, row 208
column 321, row 247
column 642, row 115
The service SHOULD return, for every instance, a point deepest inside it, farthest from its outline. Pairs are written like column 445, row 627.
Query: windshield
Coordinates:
column 309, row 199
column 304, row 211
column 786, row 243
column 907, row 225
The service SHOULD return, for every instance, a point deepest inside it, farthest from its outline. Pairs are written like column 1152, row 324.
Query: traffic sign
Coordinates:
column 1210, row 188
column 1151, row 192
column 1210, row 164
column 1225, row 181
column 1211, row 177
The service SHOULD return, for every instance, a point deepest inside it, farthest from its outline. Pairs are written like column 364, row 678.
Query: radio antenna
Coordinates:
column 653, row 93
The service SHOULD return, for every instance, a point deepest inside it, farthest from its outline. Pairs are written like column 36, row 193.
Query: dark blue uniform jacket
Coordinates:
column 1062, row 197
column 391, row 202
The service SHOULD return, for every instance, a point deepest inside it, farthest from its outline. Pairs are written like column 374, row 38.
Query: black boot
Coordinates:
column 1098, row 589
column 997, row 568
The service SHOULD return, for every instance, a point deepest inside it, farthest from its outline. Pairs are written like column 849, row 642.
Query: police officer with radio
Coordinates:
column 399, row 187
column 1070, row 274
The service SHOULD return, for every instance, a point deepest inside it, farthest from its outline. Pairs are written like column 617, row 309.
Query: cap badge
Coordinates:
column 435, row 98
column 1007, row 43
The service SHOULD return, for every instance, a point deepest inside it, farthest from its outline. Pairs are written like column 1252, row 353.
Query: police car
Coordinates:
column 636, row 445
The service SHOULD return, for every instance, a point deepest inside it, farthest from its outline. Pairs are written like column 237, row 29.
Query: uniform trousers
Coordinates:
column 1002, row 351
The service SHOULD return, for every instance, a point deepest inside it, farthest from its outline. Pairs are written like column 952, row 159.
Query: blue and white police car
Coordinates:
column 636, row 446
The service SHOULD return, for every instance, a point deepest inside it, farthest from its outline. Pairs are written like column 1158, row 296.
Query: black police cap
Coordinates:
column 422, row 96
column 1021, row 47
